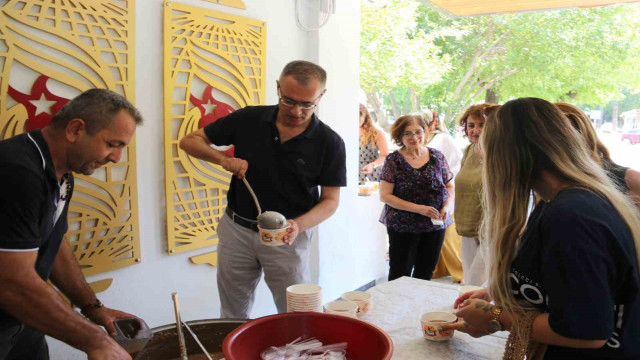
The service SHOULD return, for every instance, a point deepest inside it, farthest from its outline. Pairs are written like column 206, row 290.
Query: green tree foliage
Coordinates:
column 584, row 56
column 630, row 102
column 395, row 53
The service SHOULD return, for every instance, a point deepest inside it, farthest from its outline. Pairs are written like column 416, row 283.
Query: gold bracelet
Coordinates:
column 88, row 308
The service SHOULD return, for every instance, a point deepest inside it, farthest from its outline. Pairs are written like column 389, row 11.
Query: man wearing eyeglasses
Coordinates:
column 286, row 153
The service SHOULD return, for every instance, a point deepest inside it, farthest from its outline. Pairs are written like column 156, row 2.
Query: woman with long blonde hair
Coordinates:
column 566, row 276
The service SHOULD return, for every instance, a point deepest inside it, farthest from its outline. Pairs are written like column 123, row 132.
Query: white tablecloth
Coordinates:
column 397, row 307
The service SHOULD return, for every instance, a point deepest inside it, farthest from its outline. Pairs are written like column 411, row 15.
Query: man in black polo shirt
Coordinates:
column 36, row 183
column 285, row 152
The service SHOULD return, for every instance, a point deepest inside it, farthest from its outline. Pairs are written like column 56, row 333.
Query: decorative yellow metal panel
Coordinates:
column 213, row 63
column 232, row 3
column 51, row 51
column 209, row 258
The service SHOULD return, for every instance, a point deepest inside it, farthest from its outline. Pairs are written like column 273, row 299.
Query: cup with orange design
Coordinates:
column 364, row 190
column 360, row 298
column 273, row 237
column 432, row 325
column 341, row 307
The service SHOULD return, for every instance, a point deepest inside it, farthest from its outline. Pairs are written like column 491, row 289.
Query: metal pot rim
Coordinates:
column 200, row 322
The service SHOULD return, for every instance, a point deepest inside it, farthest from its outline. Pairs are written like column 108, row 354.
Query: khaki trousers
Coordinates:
column 242, row 259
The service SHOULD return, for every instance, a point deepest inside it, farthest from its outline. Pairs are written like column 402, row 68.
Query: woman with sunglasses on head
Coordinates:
column 468, row 206
column 416, row 188
column 564, row 278
column 626, row 179
column 373, row 148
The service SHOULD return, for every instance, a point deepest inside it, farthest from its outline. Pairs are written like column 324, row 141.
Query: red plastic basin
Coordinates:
column 365, row 341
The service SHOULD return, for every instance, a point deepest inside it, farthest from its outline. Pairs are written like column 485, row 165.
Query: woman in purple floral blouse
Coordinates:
column 416, row 187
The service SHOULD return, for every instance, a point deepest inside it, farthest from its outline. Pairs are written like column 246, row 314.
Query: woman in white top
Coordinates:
column 450, row 262
column 440, row 139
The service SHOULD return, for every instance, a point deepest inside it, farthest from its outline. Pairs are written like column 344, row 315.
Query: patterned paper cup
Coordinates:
column 361, row 298
column 304, row 297
column 341, row 307
column 273, row 237
column 431, row 325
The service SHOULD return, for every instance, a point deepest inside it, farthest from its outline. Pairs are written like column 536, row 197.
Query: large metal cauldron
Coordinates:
column 164, row 343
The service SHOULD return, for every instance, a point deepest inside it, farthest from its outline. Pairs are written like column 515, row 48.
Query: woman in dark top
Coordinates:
column 626, row 179
column 569, row 271
column 416, row 188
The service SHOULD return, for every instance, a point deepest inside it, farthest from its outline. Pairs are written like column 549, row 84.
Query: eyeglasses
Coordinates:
column 409, row 134
column 304, row 105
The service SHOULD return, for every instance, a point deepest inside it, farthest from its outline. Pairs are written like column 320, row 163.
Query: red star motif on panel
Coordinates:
column 211, row 110
column 41, row 104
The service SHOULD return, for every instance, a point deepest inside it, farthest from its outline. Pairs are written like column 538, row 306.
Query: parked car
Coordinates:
column 608, row 128
column 631, row 137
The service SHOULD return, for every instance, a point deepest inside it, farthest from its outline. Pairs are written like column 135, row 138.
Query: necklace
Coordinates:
column 413, row 157
column 67, row 194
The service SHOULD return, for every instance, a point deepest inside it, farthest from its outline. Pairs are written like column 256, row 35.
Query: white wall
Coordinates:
column 352, row 245
column 350, row 252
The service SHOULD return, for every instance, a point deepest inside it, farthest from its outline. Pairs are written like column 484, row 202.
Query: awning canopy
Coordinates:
column 484, row 7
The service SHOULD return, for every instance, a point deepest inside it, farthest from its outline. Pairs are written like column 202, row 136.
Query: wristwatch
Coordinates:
column 494, row 323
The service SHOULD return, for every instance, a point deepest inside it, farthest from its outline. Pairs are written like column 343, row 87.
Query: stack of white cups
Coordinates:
column 304, row 297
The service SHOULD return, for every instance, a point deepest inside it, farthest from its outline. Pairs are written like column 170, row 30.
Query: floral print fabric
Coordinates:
column 423, row 186
column 368, row 154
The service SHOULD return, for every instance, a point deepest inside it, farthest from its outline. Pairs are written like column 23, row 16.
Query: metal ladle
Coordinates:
column 267, row 219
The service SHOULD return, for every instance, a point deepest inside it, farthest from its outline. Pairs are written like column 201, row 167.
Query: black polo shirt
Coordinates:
column 29, row 195
column 284, row 176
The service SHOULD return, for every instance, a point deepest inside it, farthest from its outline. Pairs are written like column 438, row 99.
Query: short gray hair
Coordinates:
column 303, row 71
column 96, row 107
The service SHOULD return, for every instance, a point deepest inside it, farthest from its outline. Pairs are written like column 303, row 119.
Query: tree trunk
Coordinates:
column 394, row 105
column 614, row 116
column 415, row 107
column 600, row 120
column 491, row 97
column 374, row 101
